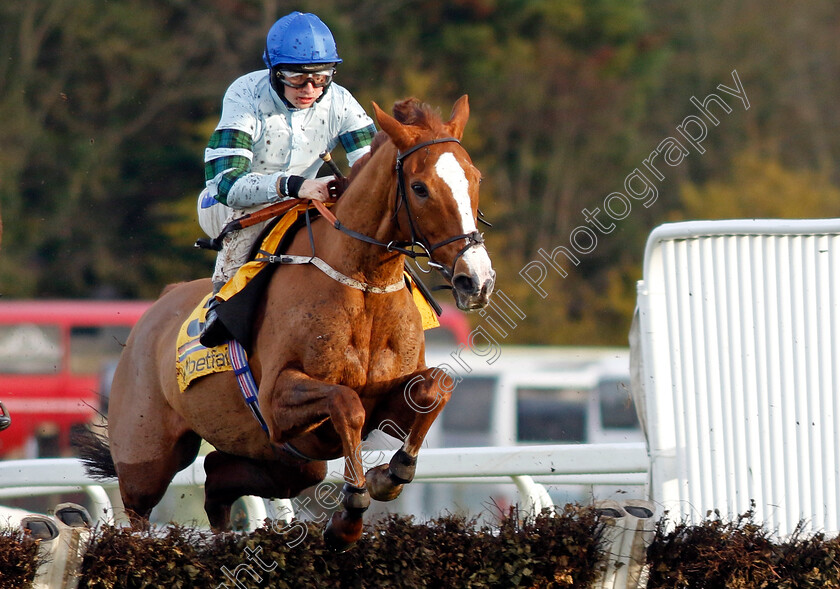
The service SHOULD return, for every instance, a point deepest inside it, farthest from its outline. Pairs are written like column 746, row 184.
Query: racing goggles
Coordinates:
column 300, row 79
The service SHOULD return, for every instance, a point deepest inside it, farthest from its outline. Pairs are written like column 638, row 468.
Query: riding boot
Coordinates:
column 214, row 332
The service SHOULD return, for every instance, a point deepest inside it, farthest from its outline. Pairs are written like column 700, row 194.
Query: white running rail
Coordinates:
column 526, row 466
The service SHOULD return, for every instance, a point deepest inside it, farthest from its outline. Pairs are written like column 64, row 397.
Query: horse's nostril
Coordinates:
column 464, row 283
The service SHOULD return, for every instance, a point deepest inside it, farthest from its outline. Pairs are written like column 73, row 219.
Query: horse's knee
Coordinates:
column 346, row 409
column 214, row 461
column 427, row 394
column 224, row 479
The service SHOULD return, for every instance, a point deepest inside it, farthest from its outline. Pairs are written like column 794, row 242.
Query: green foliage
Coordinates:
column 106, row 108
column 762, row 187
column 556, row 551
column 99, row 97
column 118, row 558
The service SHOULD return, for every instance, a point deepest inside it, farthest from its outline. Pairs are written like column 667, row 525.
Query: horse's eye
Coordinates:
column 420, row 189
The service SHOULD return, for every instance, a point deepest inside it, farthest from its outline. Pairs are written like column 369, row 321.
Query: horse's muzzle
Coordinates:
column 473, row 279
column 471, row 292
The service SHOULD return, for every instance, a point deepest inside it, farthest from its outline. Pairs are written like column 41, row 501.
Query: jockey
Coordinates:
column 275, row 123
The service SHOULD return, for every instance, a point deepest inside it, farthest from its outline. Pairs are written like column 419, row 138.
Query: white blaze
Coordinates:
column 451, row 172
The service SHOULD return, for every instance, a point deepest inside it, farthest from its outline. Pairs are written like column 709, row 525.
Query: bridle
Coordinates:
column 473, row 238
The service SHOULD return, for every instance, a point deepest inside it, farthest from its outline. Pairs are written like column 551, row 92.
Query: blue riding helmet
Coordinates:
column 300, row 39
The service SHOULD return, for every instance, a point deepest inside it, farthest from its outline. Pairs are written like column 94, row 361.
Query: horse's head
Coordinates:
column 438, row 187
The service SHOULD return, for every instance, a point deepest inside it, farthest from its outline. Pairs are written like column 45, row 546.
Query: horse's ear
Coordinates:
column 460, row 114
column 398, row 132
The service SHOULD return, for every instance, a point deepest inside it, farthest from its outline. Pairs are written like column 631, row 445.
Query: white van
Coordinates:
column 525, row 396
column 534, row 395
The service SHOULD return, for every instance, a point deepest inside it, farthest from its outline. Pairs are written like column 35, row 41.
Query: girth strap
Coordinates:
column 249, row 389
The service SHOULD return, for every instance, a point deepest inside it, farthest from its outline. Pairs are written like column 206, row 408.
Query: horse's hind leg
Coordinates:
column 414, row 406
column 230, row 477
column 149, row 443
column 143, row 484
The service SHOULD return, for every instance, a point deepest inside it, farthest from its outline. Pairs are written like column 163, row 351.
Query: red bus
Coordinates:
column 57, row 358
column 52, row 353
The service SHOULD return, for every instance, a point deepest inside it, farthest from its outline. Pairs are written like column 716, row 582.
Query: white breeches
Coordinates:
column 236, row 245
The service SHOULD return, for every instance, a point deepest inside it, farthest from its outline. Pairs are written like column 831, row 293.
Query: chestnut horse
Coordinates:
column 332, row 361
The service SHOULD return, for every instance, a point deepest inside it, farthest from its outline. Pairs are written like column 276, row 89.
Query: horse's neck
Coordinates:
column 367, row 207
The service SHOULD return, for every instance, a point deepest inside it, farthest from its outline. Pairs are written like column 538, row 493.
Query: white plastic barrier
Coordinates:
column 63, row 541
column 596, row 464
column 739, row 347
column 629, row 529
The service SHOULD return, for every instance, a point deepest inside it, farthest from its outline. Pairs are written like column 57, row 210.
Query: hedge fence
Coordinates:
column 562, row 550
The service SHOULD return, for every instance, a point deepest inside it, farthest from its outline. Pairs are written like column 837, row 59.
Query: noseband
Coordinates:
column 417, row 239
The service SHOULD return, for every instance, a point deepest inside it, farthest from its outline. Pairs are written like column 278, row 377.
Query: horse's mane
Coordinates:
column 409, row 111
column 418, row 114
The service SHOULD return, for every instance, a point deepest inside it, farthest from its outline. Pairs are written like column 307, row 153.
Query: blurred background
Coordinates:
column 106, row 108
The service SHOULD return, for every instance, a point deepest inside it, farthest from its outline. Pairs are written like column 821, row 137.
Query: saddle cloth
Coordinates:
column 194, row 360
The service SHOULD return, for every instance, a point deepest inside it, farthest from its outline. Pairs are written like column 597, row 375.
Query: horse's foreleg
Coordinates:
column 348, row 417
column 415, row 405
column 311, row 404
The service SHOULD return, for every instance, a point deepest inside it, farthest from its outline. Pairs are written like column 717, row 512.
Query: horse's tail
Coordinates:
column 95, row 453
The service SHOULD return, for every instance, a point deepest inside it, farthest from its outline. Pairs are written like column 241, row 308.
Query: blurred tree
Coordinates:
column 560, row 91
column 97, row 101
column 107, row 106
column 761, row 187
column 788, row 60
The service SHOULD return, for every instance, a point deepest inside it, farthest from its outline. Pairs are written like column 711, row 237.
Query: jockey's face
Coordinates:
column 302, row 97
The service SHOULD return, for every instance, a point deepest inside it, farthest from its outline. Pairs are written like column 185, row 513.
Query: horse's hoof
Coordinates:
column 380, row 485
column 342, row 533
column 334, row 543
column 402, row 467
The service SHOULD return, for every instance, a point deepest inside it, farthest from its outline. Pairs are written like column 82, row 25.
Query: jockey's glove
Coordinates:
column 337, row 186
